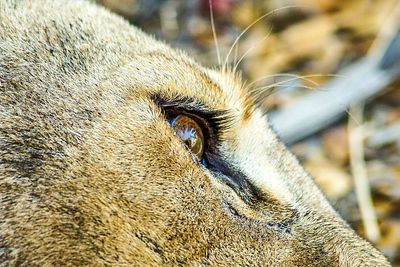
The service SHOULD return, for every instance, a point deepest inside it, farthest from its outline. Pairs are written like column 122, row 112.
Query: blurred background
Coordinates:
column 295, row 48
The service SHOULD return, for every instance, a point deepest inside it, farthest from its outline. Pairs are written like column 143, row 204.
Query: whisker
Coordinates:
column 251, row 25
column 214, row 31
column 352, row 117
column 283, row 82
column 236, row 54
column 303, row 77
column 294, row 76
column 251, row 48
column 258, row 94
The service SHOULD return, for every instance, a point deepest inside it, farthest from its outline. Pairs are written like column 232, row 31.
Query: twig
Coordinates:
column 358, row 169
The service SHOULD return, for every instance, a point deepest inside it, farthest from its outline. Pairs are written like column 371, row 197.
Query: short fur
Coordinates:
column 91, row 172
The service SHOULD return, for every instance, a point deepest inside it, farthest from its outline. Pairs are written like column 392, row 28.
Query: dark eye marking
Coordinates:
column 212, row 122
column 235, row 179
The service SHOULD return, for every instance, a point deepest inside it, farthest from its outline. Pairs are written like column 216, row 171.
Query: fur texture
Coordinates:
column 91, row 172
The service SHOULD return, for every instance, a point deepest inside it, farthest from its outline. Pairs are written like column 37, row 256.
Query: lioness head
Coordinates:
column 117, row 150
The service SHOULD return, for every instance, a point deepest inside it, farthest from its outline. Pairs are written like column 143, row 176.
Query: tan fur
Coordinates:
column 91, row 173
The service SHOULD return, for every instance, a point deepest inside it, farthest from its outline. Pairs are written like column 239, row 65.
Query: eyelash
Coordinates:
column 217, row 119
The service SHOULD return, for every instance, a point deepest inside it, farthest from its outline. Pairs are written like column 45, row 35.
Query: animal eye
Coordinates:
column 191, row 134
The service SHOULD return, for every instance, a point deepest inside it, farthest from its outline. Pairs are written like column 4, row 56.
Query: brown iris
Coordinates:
column 191, row 134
